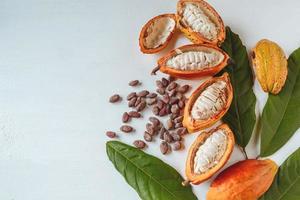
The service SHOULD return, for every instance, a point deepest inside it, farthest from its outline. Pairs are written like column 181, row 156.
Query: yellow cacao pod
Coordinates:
column 270, row 66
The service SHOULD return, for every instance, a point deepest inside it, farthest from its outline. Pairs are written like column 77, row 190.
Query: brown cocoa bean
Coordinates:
column 125, row 117
column 160, row 104
column 164, row 82
column 131, row 95
column 111, row 134
column 155, row 122
column 164, row 147
column 140, row 144
column 141, row 106
column 166, row 98
column 151, row 95
column 177, row 145
column 176, row 137
column 167, row 137
column 183, row 89
column 126, row 128
column 114, row 98
column 143, row 93
column 147, row 137
column 170, row 124
column 172, row 86
column 132, row 102
column 134, row 114
column 181, row 131
column 174, row 100
column 134, row 83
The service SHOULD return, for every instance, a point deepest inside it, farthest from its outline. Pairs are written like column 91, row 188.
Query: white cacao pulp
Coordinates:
column 211, row 101
column 158, row 32
column 210, row 152
column 195, row 60
column 199, row 21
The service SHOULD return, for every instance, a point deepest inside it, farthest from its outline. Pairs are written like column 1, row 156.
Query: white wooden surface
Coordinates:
column 60, row 60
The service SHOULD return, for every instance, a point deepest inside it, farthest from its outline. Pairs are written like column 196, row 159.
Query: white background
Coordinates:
column 60, row 60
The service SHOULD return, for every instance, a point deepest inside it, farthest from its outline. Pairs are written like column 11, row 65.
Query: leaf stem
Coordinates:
column 243, row 150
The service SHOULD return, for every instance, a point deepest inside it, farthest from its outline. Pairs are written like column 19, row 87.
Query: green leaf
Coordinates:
column 148, row 175
column 241, row 114
column 286, row 183
column 281, row 114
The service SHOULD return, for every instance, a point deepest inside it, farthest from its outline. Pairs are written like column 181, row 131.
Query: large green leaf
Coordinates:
column 241, row 114
column 148, row 175
column 281, row 114
column 286, row 185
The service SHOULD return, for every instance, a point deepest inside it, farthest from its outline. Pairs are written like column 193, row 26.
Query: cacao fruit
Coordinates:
column 157, row 33
column 245, row 180
column 208, row 103
column 193, row 61
column 200, row 22
column 270, row 66
column 209, row 153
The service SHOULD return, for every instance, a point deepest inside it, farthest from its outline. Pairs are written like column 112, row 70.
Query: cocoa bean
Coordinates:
column 134, row 83
column 164, row 82
column 134, row 114
column 151, row 101
column 132, row 102
column 177, row 145
column 160, row 91
column 131, row 95
column 147, row 137
column 172, row 86
column 143, row 93
column 141, row 106
column 114, row 98
column 140, row 144
column 151, row 95
column 164, row 147
column 111, row 134
column 125, row 117
column 126, row 128
column 183, row 89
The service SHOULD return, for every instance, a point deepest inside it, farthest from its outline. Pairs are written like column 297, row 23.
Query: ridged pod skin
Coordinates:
column 245, row 180
column 197, row 37
column 270, row 65
column 144, row 34
column 192, row 74
column 195, row 125
column 199, row 178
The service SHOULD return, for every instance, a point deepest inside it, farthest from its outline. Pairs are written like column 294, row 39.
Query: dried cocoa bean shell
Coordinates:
column 191, row 117
column 194, row 15
column 197, row 178
column 270, row 65
column 161, row 25
column 185, row 62
column 247, row 179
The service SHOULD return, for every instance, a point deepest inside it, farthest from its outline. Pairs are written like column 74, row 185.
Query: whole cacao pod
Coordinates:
column 245, row 180
column 270, row 66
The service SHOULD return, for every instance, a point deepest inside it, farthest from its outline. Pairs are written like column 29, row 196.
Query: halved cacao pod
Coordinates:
column 245, row 180
column 209, row 153
column 270, row 65
column 157, row 33
column 208, row 103
column 194, row 61
column 200, row 22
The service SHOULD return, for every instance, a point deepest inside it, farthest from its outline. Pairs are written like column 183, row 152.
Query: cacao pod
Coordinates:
column 193, row 61
column 270, row 66
column 157, row 33
column 208, row 103
column 209, row 153
column 200, row 22
column 245, row 180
